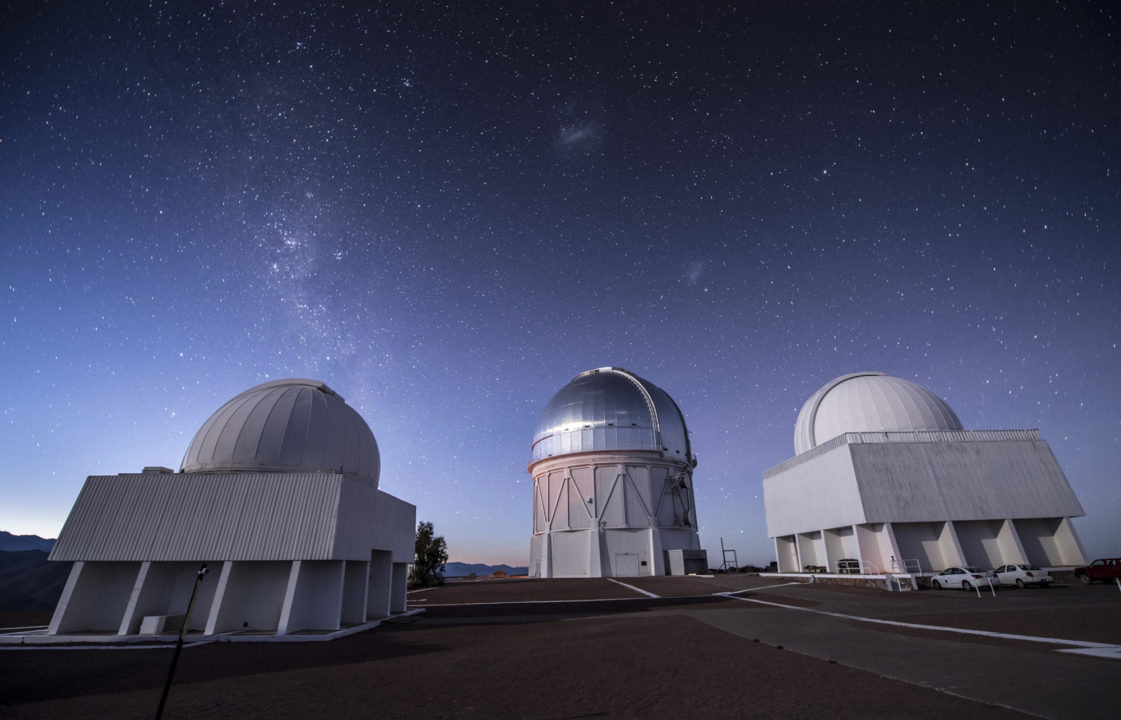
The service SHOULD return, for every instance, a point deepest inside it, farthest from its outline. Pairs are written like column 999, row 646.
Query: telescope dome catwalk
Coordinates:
column 612, row 471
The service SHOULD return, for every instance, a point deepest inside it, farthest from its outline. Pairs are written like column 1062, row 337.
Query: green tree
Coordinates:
column 431, row 556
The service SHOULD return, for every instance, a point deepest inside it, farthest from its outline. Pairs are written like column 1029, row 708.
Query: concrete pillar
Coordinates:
column 95, row 597
column 894, row 558
column 219, row 598
column 826, row 551
column 547, row 555
column 656, row 565
column 400, row 584
column 595, row 550
column 130, row 622
column 355, row 592
column 807, row 553
column 1008, row 540
column 950, row 546
column 1069, row 544
column 380, row 584
column 289, row 598
column 67, row 597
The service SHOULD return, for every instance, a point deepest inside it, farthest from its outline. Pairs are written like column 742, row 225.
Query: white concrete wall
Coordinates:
column 161, row 589
column 250, row 596
column 811, row 549
column 95, row 597
column 596, row 516
column 1050, row 541
column 819, row 492
column 980, row 542
column 930, row 543
column 1011, row 551
column 569, row 556
column 313, row 596
column 371, row 519
column 786, row 553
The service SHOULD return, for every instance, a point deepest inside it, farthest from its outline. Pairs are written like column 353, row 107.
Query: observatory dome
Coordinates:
column 611, row 409
column 290, row 426
column 869, row 402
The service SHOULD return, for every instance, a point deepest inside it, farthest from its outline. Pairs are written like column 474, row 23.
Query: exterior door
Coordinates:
column 626, row 565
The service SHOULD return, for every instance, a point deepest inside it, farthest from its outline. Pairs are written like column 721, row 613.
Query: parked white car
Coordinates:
column 1021, row 575
column 965, row 578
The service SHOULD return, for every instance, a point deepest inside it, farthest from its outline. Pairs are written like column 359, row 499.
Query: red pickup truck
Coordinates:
column 1106, row 569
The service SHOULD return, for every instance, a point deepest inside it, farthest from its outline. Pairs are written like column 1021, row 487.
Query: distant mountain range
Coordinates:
column 15, row 543
column 458, row 569
column 28, row 582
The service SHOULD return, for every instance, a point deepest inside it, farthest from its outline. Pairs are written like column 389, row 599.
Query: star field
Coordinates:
column 447, row 212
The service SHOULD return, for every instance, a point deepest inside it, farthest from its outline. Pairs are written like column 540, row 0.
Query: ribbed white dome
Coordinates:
column 291, row 426
column 869, row 402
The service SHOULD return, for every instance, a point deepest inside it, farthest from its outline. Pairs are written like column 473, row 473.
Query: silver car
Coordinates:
column 1021, row 575
column 965, row 578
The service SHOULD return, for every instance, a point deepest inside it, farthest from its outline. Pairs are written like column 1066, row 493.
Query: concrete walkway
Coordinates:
column 1035, row 680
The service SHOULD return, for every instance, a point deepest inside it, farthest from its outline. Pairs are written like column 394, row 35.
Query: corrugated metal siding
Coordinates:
column 961, row 480
column 180, row 517
column 865, row 438
column 940, row 436
column 806, row 456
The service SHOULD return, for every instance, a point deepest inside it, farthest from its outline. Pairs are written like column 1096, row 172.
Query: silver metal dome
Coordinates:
column 291, row 426
column 869, row 402
column 611, row 409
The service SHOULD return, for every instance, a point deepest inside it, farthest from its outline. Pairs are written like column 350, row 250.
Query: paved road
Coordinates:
column 1032, row 677
column 1034, row 680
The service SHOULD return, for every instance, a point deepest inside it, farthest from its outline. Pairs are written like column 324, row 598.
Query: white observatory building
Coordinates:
column 613, row 482
column 277, row 494
column 884, row 474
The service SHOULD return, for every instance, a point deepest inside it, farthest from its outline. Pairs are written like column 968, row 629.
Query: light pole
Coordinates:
column 179, row 642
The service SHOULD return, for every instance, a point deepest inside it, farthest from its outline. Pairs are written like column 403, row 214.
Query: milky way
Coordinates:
column 445, row 213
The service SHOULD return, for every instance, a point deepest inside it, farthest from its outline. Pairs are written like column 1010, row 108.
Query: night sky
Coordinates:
column 447, row 212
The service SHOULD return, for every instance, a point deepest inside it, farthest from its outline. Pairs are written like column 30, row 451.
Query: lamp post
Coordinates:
column 179, row 642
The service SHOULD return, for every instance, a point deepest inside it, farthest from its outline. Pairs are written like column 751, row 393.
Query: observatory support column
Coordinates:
column 546, row 555
column 657, row 565
column 289, row 598
column 1008, row 541
column 1068, row 543
column 894, row 558
column 67, row 597
column 595, row 551
column 950, row 543
column 380, row 595
column 400, row 587
column 219, row 598
column 127, row 622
